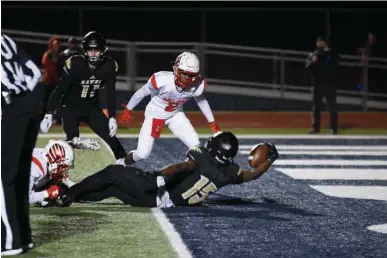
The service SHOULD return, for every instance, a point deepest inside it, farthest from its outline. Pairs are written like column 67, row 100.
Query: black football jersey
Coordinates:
column 209, row 176
column 80, row 84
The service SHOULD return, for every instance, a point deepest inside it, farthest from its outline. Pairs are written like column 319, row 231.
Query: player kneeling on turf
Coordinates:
column 49, row 172
column 206, row 170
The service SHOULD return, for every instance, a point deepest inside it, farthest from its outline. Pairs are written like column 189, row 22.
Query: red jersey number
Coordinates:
column 171, row 107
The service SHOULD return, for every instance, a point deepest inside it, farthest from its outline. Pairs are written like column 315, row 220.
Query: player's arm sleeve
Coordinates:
column 110, row 89
column 63, row 86
column 205, row 108
column 236, row 174
column 141, row 93
column 255, row 173
column 67, row 182
column 37, row 197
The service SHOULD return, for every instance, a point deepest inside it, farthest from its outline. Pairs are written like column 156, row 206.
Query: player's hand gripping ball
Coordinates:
column 258, row 154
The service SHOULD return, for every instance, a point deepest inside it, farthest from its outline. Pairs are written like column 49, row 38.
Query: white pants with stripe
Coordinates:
column 151, row 129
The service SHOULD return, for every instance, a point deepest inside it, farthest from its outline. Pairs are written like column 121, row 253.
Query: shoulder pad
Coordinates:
column 202, row 85
column 160, row 78
column 74, row 60
column 110, row 61
column 68, row 63
column 115, row 65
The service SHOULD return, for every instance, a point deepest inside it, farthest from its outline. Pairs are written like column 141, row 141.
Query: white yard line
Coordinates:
column 173, row 236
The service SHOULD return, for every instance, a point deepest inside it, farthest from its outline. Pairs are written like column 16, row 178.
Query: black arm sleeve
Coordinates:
column 63, row 86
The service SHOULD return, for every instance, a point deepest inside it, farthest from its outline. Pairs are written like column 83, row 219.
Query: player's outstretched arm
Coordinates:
column 183, row 167
column 262, row 167
column 257, row 172
column 207, row 112
column 144, row 91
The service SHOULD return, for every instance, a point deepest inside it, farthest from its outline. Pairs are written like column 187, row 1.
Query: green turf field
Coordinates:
column 106, row 229
column 96, row 230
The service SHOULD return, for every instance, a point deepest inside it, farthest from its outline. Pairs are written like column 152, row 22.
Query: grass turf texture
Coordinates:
column 104, row 229
column 353, row 131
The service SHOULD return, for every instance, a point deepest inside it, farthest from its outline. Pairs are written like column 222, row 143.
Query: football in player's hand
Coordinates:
column 258, row 154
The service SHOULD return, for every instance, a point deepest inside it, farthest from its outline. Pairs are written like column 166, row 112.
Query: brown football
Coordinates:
column 258, row 154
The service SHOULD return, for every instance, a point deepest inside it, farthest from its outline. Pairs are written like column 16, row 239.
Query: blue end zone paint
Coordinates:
column 276, row 216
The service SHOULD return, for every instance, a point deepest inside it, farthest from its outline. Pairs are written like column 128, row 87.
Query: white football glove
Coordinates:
column 46, row 123
column 112, row 126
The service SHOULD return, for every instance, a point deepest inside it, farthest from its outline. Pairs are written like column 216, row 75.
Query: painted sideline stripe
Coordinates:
column 172, row 235
column 357, row 192
column 335, row 174
column 381, row 228
column 329, row 153
column 324, row 147
column 343, row 162
column 242, row 136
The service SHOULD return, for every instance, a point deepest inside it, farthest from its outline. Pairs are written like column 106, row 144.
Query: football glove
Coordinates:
column 112, row 127
column 53, row 192
column 214, row 126
column 126, row 115
column 46, row 123
column 273, row 154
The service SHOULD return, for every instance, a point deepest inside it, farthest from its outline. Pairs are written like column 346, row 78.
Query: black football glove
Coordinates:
column 273, row 154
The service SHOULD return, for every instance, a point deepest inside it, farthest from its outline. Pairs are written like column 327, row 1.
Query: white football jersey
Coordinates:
column 38, row 175
column 166, row 100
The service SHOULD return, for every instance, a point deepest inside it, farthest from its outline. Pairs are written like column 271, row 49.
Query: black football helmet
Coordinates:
column 223, row 146
column 94, row 40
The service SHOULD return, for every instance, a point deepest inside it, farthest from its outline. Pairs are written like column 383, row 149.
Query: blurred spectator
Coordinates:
column 365, row 52
column 50, row 78
column 322, row 65
column 368, row 47
column 72, row 49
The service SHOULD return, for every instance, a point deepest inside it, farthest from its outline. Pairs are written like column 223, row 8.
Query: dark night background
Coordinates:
column 286, row 25
column 265, row 24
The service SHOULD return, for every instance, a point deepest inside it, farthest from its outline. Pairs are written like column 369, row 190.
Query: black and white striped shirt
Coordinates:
column 18, row 72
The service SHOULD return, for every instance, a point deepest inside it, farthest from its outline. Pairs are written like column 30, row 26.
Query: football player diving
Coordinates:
column 206, row 170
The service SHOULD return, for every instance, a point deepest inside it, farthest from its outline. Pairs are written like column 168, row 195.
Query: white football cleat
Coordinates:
column 11, row 252
column 85, row 143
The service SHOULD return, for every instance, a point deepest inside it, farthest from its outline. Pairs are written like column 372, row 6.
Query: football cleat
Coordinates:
column 85, row 143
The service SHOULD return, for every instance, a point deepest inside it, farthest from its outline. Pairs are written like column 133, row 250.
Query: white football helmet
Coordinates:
column 186, row 69
column 60, row 158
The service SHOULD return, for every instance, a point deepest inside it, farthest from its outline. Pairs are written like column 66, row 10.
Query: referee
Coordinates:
column 20, row 99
